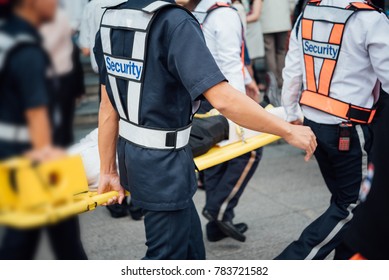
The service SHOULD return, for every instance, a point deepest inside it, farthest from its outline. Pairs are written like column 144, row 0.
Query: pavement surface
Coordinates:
column 283, row 197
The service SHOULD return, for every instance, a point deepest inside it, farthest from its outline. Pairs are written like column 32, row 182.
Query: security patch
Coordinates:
column 321, row 50
column 124, row 68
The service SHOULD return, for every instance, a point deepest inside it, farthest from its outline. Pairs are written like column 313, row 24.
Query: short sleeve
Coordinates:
column 190, row 60
column 99, row 56
column 29, row 67
column 84, row 38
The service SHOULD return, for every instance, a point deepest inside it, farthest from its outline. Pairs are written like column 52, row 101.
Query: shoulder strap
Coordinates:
column 360, row 6
column 131, row 69
column 155, row 6
column 10, row 43
column 217, row 6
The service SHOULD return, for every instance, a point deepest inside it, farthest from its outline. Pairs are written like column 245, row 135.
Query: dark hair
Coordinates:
column 6, row 7
column 5, row 11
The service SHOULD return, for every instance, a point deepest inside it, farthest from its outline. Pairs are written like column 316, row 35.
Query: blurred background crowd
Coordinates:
column 69, row 41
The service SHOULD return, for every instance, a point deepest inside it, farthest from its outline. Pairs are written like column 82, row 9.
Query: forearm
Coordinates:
column 256, row 12
column 108, row 134
column 244, row 111
column 39, row 127
column 252, row 18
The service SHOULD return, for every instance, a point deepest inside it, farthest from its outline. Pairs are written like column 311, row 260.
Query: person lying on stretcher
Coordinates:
column 88, row 146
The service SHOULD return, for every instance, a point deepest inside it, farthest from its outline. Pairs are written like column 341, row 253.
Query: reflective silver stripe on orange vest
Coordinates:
column 327, row 14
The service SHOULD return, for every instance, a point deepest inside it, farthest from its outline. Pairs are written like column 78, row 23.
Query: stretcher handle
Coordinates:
column 103, row 198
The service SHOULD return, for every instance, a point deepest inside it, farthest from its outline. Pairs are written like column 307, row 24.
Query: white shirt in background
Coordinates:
column 363, row 58
column 90, row 24
column 276, row 16
column 74, row 10
column 223, row 35
column 57, row 41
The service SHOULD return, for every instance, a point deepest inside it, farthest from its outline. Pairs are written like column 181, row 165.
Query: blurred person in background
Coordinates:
column 255, row 95
column 254, row 38
column 25, row 123
column 74, row 10
column 67, row 78
column 251, row 90
column 276, row 23
column 90, row 24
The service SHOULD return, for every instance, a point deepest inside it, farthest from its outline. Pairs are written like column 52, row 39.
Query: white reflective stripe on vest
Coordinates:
column 155, row 6
column 122, row 67
column 14, row 133
column 132, row 70
column 138, row 50
column 131, row 19
column 152, row 138
column 105, row 34
column 116, row 97
column 328, row 14
column 133, row 100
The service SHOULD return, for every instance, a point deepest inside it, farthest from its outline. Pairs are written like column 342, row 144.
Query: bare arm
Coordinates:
column 245, row 112
column 40, row 135
column 39, row 127
column 108, row 134
column 256, row 11
column 86, row 51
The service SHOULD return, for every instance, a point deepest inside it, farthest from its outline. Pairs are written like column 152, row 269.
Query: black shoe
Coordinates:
column 230, row 230
column 136, row 213
column 214, row 233
column 208, row 215
column 118, row 210
column 242, row 227
column 226, row 227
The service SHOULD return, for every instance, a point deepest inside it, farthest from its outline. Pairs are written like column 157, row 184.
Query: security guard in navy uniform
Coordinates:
column 154, row 69
column 24, row 117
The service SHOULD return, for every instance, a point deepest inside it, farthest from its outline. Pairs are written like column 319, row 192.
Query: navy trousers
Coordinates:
column 174, row 235
column 224, row 184
column 343, row 173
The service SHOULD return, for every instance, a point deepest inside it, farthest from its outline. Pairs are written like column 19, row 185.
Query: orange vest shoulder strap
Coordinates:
column 362, row 6
column 222, row 4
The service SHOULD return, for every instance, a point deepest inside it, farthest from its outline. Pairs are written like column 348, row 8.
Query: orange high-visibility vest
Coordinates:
column 317, row 94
